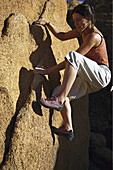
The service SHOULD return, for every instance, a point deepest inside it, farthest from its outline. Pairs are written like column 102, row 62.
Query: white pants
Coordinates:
column 91, row 77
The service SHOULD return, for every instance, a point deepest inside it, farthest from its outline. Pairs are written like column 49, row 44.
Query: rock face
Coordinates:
column 26, row 140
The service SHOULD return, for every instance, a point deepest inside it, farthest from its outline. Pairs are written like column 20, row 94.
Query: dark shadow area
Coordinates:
column 64, row 154
column 25, row 80
column 43, row 56
column 6, row 24
column 103, row 113
column 73, row 155
column 50, row 124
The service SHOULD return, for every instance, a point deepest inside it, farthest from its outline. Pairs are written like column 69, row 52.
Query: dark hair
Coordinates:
column 86, row 11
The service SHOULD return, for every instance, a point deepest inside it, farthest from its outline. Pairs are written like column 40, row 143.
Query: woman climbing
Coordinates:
column 86, row 69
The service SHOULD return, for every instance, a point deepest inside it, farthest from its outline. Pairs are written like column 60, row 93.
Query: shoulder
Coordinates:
column 89, row 41
column 94, row 37
column 91, row 37
column 97, row 35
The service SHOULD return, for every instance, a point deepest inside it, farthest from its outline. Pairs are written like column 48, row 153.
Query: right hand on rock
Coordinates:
column 41, row 22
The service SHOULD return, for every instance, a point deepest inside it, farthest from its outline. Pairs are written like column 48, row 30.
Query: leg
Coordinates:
column 66, row 115
column 67, row 129
column 69, row 78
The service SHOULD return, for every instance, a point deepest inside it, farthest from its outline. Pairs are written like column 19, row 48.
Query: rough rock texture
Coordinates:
column 26, row 140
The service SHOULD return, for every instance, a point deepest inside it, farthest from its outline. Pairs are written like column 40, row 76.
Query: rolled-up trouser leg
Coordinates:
column 91, row 77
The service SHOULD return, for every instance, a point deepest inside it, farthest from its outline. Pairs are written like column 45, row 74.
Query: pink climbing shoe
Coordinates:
column 52, row 103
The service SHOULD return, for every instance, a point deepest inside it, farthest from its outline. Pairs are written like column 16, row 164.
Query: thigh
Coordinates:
column 56, row 91
column 97, row 75
column 78, row 89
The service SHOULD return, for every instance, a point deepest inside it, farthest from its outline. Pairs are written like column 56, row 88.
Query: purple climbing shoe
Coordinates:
column 67, row 134
column 52, row 103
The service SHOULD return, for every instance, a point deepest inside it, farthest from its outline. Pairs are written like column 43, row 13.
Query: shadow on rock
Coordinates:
column 43, row 56
column 25, row 80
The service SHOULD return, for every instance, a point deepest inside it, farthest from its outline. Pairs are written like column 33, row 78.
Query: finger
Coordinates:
column 39, row 66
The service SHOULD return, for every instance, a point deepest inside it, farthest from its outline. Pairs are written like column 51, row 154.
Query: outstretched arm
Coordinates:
column 41, row 70
column 58, row 34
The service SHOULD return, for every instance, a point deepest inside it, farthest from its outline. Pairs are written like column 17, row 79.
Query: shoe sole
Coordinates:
column 58, row 109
